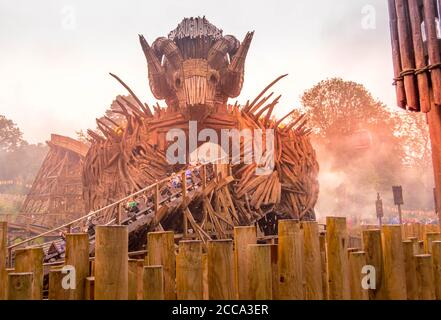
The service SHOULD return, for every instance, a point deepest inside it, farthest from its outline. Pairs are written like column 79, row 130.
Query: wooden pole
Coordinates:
column 433, row 49
column 393, row 259
column 20, row 286
column 220, row 270
column 89, row 288
column 205, row 275
column 184, row 195
column 425, row 279
column 429, row 237
column 56, row 290
column 77, row 256
column 260, row 274
column 374, row 257
column 407, row 60
column 140, row 292
column 153, row 283
column 436, row 254
column 3, row 254
column 161, row 251
column 324, row 263
column 133, row 279
column 357, row 260
column 189, row 271
column 31, row 260
column 312, row 260
column 243, row 236
column 338, row 265
column 290, row 261
column 111, row 263
column 410, row 266
column 396, row 57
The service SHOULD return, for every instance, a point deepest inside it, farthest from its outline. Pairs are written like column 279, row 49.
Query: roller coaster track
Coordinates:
column 180, row 188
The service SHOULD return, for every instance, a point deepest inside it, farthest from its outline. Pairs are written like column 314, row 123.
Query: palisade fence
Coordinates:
column 394, row 262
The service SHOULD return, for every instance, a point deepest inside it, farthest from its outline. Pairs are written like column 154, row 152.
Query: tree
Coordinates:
column 10, row 135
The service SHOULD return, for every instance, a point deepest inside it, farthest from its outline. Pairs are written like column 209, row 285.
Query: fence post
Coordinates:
column 290, row 261
column 153, row 283
column 3, row 253
column 429, row 237
column 56, row 290
column 394, row 270
column 220, row 270
column 338, row 265
column 111, row 263
column 374, row 257
column 89, row 288
column 436, row 255
column 357, row 260
column 189, row 271
column 275, row 270
column 133, row 279
column 243, row 236
column 410, row 267
column 31, row 260
column 324, row 263
column 77, row 255
column 184, row 196
column 259, row 272
column 312, row 260
column 20, row 286
column 161, row 251
column 424, row 271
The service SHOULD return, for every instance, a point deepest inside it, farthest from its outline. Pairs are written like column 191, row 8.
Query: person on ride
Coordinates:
column 132, row 208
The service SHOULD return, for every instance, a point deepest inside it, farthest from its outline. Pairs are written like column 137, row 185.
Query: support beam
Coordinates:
column 77, row 256
column 189, row 271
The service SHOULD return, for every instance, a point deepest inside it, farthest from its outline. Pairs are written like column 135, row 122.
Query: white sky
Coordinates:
column 55, row 55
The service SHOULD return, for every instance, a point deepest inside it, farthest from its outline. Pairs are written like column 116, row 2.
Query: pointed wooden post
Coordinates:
column 111, row 263
column 3, row 254
column 77, row 256
column 220, row 270
column 161, row 251
column 374, row 257
column 243, row 236
column 20, row 286
column 31, row 260
column 189, row 271
column 394, row 270
column 312, row 260
column 338, row 264
column 259, row 272
column 153, row 283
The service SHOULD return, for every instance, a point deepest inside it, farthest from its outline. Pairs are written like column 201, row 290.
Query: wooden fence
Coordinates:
column 301, row 263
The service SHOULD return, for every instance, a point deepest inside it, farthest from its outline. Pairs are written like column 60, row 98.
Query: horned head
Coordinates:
column 196, row 66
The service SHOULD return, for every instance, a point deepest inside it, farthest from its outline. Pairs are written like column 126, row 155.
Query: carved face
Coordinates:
column 196, row 75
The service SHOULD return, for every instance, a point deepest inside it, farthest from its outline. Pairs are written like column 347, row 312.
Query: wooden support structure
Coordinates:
column 410, row 267
column 259, row 272
column 220, row 270
column 20, row 286
column 111, row 263
column 243, row 236
column 31, row 260
column 425, row 279
column 153, row 283
column 3, row 254
column 357, row 260
column 133, row 279
column 338, row 265
column 393, row 259
column 290, row 261
column 161, row 251
column 56, row 290
column 312, row 261
column 436, row 255
column 77, row 256
column 374, row 257
column 189, row 282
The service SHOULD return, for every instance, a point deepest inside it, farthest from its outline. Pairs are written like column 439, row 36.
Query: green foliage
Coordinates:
column 10, row 135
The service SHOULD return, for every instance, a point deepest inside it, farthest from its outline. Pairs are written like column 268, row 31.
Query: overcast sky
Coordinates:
column 55, row 55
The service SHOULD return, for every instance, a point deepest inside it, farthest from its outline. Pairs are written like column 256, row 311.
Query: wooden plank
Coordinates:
column 189, row 281
column 220, row 270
